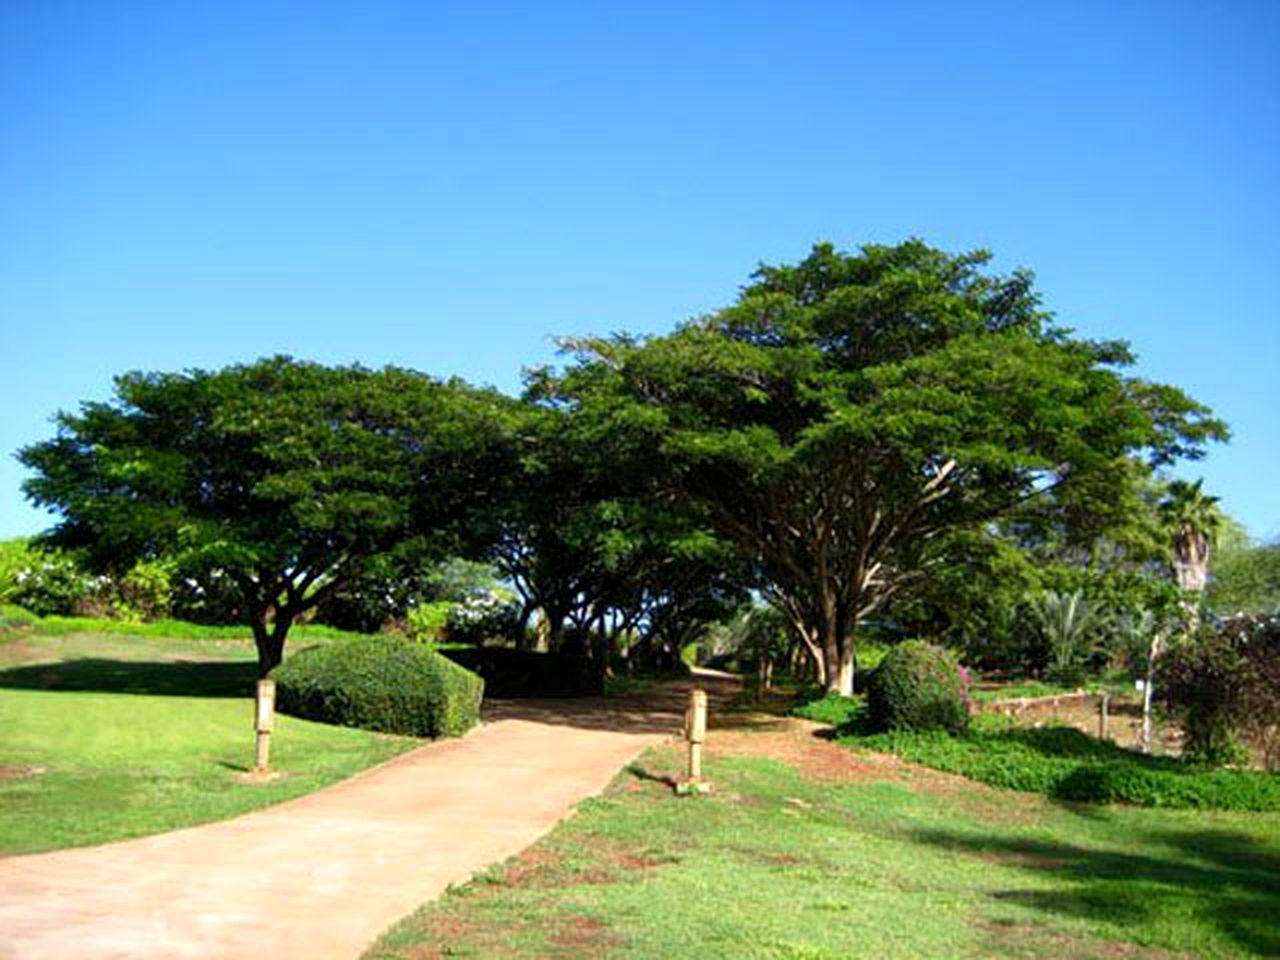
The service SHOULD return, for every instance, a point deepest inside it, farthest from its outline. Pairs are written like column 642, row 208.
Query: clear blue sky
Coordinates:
column 445, row 185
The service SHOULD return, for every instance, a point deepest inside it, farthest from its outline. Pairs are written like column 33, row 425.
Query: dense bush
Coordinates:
column 1064, row 763
column 380, row 683
column 919, row 686
column 53, row 584
column 525, row 673
column 1224, row 687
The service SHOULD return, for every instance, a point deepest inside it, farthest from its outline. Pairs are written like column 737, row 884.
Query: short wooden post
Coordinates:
column 1104, row 721
column 264, row 718
column 695, row 732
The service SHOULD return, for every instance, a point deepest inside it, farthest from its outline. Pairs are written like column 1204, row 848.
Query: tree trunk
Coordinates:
column 270, row 643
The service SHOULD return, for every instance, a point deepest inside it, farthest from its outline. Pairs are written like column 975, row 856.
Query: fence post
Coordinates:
column 695, row 731
column 264, row 718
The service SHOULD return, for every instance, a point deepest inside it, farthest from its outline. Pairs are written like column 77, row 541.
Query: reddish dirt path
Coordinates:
column 322, row 876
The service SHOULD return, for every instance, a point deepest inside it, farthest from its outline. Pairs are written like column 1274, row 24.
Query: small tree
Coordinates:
column 1072, row 629
column 285, row 478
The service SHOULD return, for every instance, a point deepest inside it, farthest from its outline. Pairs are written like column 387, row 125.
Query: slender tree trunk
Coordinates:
column 1157, row 645
column 270, row 643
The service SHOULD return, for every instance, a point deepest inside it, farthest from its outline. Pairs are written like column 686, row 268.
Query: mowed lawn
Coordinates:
column 111, row 736
column 813, row 856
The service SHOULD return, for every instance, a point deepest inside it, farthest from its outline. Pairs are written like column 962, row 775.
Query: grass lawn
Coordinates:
column 814, row 852
column 110, row 735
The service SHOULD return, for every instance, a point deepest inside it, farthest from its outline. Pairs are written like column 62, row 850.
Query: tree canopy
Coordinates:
column 848, row 410
column 287, row 477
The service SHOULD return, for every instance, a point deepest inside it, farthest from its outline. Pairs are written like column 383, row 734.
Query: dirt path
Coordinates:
column 322, row 876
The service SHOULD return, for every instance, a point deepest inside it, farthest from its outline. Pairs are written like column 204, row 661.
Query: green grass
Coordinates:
column 832, row 709
column 1064, row 763
column 108, row 736
column 774, row 864
column 14, row 620
column 1119, row 684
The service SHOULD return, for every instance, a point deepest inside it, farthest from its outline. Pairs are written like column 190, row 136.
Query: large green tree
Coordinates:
column 849, row 410
column 288, row 478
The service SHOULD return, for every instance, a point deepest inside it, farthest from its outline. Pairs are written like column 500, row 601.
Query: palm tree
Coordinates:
column 1192, row 518
column 1072, row 628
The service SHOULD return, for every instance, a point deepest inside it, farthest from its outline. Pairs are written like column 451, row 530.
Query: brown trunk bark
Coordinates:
column 270, row 644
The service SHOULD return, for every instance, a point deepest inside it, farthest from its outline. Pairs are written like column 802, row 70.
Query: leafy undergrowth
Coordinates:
column 107, row 737
column 1066, row 764
column 859, row 860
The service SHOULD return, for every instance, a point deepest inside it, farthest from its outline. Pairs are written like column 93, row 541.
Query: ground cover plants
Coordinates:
column 108, row 736
column 1064, row 763
column 806, row 850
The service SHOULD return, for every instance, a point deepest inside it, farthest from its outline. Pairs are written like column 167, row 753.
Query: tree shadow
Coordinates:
column 659, row 710
column 175, row 678
column 1226, row 880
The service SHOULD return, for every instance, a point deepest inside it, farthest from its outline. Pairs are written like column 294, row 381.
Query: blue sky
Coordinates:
column 444, row 186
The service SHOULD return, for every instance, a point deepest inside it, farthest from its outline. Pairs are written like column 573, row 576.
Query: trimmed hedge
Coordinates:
column 1066, row 764
column 527, row 673
column 918, row 686
column 380, row 683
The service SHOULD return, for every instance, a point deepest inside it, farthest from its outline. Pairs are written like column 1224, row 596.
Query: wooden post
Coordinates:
column 1104, row 721
column 695, row 731
column 264, row 717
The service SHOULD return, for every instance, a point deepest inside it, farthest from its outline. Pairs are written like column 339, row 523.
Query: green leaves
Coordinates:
column 288, row 476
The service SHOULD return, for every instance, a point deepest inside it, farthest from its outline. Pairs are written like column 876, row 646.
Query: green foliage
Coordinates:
column 1073, row 630
column 1245, row 578
column 1192, row 519
column 487, row 615
column 53, row 583
column 1066, row 764
column 427, row 621
column 849, row 410
column 919, row 686
column 380, row 683
column 1223, row 686
column 284, row 478
column 833, row 710
column 15, row 557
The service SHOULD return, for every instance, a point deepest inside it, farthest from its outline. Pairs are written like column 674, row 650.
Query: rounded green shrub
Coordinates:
column 380, row 683
column 919, row 686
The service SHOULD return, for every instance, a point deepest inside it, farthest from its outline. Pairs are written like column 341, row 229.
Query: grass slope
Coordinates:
column 778, row 863
column 111, row 736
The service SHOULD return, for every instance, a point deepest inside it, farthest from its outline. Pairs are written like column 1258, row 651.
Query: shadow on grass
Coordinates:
column 1228, row 882
column 164, row 678
column 640, row 773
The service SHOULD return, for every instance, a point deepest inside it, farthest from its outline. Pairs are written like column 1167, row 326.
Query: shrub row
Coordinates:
column 380, row 683
column 526, row 673
column 1069, row 765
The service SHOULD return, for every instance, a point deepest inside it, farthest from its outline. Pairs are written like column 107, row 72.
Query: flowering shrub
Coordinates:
column 51, row 584
column 482, row 615
column 1224, row 688
column 919, row 686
